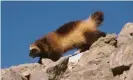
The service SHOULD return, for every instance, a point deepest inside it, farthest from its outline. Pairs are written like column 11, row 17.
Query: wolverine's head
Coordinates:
column 39, row 49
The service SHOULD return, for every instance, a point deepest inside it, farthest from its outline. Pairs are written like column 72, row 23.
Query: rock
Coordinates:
column 121, row 60
column 46, row 61
column 56, row 70
column 126, row 34
column 24, row 70
column 94, row 64
column 124, row 53
column 52, row 71
column 38, row 75
column 109, row 58
column 75, row 58
column 99, row 50
column 130, row 74
column 13, row 75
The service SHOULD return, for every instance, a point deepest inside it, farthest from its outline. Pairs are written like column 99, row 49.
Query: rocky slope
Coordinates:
column 109, row 58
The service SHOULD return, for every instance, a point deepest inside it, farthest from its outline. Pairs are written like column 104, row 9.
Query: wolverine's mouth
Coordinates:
column 31, row 55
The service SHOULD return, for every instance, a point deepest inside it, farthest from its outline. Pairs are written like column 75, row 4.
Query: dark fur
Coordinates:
column 46, row 48
column 49, row 44
column 98, row 17
column 66, row 29
column 94, row 37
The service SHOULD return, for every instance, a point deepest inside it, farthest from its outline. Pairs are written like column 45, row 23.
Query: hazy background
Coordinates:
column 24, row 22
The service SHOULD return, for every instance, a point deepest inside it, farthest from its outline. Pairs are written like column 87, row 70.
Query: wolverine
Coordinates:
column 79, row 35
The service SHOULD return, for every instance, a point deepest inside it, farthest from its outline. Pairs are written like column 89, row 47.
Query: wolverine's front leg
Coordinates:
column 40, row 60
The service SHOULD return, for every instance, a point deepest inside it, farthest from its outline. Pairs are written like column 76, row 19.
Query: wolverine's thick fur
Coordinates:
column 75, row 34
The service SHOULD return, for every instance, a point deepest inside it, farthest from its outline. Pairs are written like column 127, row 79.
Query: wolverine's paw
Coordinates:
column 98, row 17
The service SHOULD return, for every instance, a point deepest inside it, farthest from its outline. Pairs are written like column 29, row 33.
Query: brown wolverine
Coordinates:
column 75, row 34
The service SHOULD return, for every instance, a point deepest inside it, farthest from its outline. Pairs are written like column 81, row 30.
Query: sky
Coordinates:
column 23, row 22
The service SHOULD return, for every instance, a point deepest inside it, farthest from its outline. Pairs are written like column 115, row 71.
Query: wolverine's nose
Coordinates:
column 33, row 53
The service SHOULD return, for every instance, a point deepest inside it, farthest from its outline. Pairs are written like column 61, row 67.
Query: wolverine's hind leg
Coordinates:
column 84, row 48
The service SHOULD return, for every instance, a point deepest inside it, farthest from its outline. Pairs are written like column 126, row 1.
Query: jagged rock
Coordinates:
column 52, row 71
column 109, row 58
column 23, row 69
column 100, row 49
column 124, row 53
column 47, row 61
column 121, row 60
column 130, row 74
column 126, row 34
column 94, row 64
column 13, row 75
column 38, row 75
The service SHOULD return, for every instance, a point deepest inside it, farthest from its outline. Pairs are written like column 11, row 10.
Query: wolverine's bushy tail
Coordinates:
column 97, row 17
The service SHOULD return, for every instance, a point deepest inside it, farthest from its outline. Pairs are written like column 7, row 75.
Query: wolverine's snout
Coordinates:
column 34, row 51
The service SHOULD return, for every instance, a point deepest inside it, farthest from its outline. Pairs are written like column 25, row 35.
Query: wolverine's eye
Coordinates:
column 33, row 51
